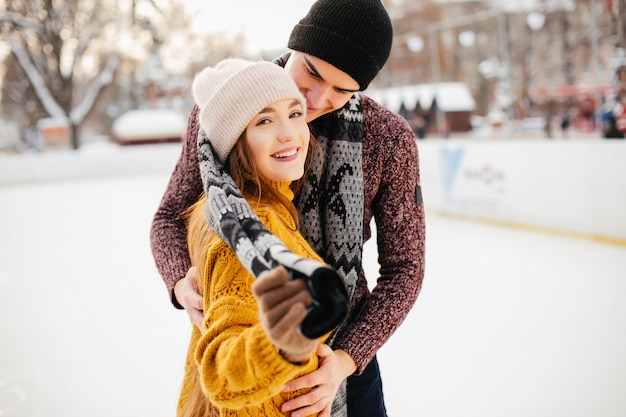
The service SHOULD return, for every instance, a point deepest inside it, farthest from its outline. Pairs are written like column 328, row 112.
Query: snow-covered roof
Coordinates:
column 149, row 124
column 451, row 96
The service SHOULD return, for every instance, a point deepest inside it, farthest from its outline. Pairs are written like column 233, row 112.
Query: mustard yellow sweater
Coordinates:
column 241, row 371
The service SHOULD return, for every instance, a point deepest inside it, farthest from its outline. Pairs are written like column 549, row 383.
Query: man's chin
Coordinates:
column 317, row 114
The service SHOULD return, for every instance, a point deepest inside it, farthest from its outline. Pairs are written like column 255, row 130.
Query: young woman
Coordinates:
column 249, row 346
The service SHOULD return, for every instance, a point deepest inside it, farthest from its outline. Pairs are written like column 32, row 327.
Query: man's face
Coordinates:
column 325, row 87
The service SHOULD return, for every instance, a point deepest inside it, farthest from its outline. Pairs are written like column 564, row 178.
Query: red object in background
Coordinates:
column 620, row 120
column 609, row 5
column 566, row 91
column 585, row 120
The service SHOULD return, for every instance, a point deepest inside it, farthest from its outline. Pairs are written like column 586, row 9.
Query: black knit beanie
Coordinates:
column 352, row 35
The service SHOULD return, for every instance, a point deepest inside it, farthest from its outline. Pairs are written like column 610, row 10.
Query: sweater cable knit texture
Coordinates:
column 239, row 366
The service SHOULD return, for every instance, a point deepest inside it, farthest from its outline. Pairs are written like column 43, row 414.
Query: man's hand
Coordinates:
column 335, row 366
column 282, row 307
column 186, row 292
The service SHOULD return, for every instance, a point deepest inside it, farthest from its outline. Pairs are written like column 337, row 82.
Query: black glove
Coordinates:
column 330, row 297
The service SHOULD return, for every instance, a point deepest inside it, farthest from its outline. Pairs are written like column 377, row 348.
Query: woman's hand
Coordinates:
column 282, row 307
column 335, row 366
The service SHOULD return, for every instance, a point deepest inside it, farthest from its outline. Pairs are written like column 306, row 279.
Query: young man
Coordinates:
column 370, row 170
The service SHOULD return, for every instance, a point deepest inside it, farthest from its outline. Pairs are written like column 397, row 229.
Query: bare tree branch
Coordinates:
column 16, row 20
column 37, row 81
column 105, row 78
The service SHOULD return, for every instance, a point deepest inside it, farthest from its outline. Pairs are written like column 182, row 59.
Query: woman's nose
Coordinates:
column 286, row 132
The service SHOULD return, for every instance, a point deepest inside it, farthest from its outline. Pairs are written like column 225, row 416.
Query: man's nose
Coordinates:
column 319, row 97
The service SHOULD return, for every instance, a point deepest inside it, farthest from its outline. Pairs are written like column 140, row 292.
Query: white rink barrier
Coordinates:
column 568, row 186
column 105, row 159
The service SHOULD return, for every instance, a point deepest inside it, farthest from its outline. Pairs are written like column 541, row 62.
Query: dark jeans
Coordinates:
column 365, row 393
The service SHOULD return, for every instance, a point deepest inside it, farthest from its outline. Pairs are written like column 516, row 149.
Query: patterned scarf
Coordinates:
column 231, row 217
column 331, row 202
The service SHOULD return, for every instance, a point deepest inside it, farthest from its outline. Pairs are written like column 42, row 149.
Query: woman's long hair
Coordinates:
column 258, row 191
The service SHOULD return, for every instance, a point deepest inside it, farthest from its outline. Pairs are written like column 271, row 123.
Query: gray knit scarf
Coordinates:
column 330, row 206
column 331, row 203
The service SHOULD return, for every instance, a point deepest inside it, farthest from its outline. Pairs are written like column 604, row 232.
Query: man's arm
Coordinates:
column 168, row 234
column 393, row 197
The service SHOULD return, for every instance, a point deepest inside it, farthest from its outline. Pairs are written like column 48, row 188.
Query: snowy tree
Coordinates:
column 69, row 51
column 76, row 58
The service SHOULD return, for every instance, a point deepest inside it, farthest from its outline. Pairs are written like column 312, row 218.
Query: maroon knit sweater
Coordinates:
column 391, row 175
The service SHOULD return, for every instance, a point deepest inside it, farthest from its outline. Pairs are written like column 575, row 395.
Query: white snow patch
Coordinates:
column 509, row 323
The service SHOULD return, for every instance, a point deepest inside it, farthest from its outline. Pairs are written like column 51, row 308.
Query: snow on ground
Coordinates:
column 509, row 323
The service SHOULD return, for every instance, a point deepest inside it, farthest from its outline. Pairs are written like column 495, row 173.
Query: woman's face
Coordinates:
column 278, row 139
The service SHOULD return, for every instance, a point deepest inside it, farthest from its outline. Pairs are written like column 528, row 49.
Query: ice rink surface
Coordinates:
column 509, row 323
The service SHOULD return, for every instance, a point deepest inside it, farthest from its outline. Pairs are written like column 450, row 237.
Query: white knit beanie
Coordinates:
column 230, row 94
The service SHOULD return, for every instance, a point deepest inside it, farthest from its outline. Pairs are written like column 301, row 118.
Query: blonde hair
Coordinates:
column 258, row 191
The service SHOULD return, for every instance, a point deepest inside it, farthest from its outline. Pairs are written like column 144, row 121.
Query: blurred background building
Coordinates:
column 71, row 69
column 534, row 58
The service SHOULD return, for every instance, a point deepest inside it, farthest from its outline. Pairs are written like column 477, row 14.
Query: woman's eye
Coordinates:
column 262, row 122
column 296, row 114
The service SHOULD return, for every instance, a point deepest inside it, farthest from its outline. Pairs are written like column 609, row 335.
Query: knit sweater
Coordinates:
column 391, row 175
column 241, row 371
